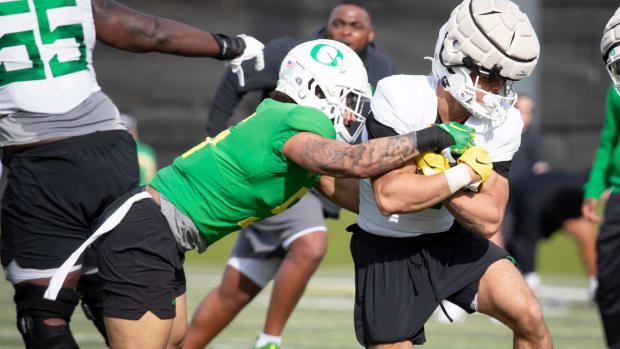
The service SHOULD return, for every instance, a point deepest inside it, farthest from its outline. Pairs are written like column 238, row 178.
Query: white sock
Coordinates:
column 266, row 338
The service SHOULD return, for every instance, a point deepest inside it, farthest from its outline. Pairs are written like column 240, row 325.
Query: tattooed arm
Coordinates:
column 339, row 159
column 481, row 212
column 124, row 28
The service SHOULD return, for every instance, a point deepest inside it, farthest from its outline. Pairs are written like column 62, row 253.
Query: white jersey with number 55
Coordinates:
column 46, row 55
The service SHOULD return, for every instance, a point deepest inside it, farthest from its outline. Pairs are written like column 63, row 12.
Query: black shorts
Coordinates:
column 399, row 282
column 56, row 190
column 140, row 264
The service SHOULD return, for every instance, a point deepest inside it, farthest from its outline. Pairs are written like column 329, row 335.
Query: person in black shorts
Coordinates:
column 422, row 233
column 288, row 247
column 66, row 151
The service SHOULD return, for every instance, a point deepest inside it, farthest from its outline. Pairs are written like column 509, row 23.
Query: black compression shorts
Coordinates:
column 140, row 264
column 399, row 282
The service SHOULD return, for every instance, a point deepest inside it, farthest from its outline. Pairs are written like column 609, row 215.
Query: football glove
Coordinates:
column 253, row 49
column 463, row 136
column 430, row 163
column 480, row 161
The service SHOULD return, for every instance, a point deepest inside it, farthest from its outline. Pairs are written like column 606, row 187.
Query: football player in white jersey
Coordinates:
column 65, row 147
column 421, row 235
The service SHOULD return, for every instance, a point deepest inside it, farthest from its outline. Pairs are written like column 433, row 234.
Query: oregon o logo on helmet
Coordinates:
column 326, row 54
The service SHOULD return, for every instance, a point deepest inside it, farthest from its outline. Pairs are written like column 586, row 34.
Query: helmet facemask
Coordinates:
column 610, row 50
column 613, row 67
column 458, row 81
column 354, row 106
column 492, row 105
column 346, row 107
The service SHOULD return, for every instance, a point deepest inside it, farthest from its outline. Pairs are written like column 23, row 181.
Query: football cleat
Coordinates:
column 269, row 345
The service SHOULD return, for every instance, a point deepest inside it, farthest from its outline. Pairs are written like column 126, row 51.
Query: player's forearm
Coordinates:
column 409, row 192
column 481, row 212
column 476, row 212
column 131, row 30
column 180, row 39
column 598, row 180
column 344, row 192
column 362, row 160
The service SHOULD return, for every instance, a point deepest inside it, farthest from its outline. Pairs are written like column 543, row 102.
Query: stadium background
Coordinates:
column 170, row 97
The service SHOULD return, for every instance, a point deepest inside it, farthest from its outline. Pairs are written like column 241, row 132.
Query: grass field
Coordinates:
column 323, row 319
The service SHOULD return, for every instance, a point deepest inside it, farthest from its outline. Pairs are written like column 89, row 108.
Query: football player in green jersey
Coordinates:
column 250, row 171
column 604, row 185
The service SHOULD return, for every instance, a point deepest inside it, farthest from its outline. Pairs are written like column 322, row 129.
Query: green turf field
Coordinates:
column 323, row 318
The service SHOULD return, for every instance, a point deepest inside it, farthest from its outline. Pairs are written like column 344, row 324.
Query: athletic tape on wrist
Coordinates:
column 457, row 177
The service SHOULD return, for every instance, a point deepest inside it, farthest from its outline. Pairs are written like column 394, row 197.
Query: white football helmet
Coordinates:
column 485, row 37
column 610, row 50
column 328, row 75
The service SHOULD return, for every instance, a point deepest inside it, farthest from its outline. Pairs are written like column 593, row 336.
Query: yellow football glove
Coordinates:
column 480, row 161
column 430, row 163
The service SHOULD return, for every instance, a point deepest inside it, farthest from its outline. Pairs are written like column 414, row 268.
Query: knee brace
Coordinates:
column 33, row 310
column 89, row 289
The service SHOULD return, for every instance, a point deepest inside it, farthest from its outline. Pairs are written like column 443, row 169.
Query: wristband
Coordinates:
column 457, row 177
column 230, row 47
column 432, row 138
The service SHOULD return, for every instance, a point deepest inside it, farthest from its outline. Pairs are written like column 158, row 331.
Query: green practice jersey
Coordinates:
column 605, row 171
column 241, row 176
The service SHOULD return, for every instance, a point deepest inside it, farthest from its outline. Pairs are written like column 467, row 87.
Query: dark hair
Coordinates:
column 281, row 97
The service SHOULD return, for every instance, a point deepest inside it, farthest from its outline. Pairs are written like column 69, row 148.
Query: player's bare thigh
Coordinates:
column 147, row 332
column 503, row 293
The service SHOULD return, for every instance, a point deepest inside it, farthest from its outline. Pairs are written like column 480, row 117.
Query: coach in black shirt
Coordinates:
column 352, row 28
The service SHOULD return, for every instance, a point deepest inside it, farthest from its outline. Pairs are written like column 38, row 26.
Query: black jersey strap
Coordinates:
column 376, row 129
column 502, row 167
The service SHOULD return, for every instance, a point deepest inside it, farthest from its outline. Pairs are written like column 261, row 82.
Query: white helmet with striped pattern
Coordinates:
column 485, row 37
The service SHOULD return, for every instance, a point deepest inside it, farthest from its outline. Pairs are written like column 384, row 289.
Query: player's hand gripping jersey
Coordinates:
column 241, row 176
column 406, row 103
